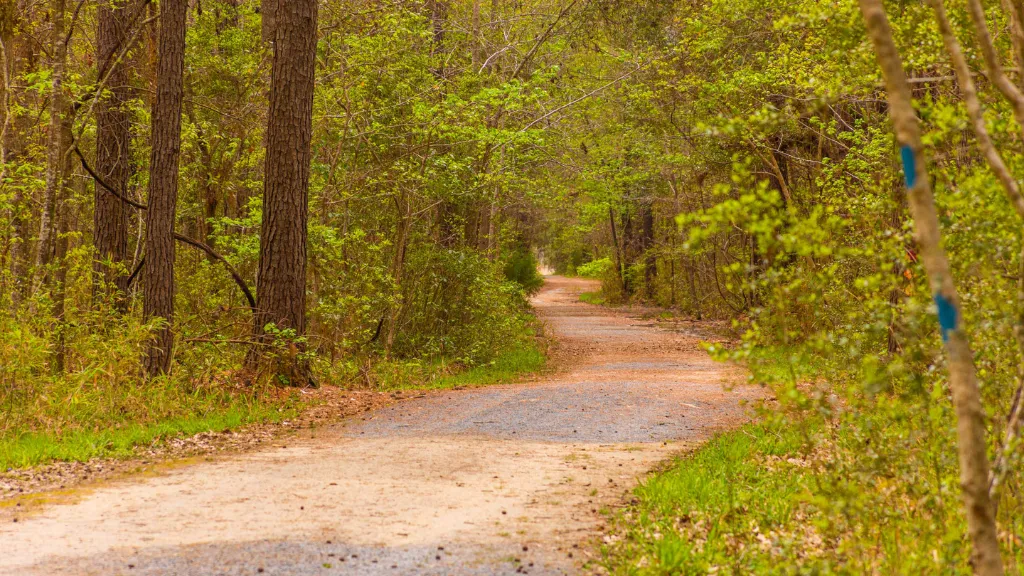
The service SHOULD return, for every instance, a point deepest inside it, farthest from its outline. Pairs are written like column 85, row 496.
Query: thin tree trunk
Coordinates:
column 398, row 270
column 618, row 250
column 158, row 275
column 113, row 159
column 996, row 74
column 1013, row 193
column 971, row 446
column 1013, row 14
column 64, row 216
column 974, row 110
column 647, row 246
column 16, row 238
column 281, row 285
column 54, row 145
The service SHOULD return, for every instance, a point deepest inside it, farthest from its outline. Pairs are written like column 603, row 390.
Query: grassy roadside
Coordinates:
column 164, row 410
column 121, row 439
column 595, row 298
column 806, row 492
column 508, row 366
column 727, row 506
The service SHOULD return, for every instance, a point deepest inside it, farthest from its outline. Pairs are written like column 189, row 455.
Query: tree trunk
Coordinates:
column 113, row 159
column 398, row 269
column 64, row 224
column 971, row 445
column 281, row 284
column 268, row 15
column 618, row 250
column 647, row 247
column 11, row 47
column 158, row 278
column 54, row 145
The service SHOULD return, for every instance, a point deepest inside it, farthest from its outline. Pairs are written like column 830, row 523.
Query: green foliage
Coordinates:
column 522, row 268
column 755, row 136
column 814, row 487
column 596, row 268
column 509, row 365
column 96, row 406
column 427, row 175
column 458, row 305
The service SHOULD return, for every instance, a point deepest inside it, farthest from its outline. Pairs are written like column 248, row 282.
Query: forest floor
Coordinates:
column 501, row 479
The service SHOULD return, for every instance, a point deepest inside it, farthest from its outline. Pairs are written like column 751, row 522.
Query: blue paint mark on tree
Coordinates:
column 949, row 316
column 909, row 165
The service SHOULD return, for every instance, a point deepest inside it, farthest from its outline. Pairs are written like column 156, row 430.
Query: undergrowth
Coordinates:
column 103, row 409
column 808, row 489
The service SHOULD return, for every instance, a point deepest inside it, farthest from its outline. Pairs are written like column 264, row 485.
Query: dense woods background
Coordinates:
column 726, row 159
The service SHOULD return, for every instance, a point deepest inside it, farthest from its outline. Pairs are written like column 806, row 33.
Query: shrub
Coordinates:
column 521, row 268
column 595, row 268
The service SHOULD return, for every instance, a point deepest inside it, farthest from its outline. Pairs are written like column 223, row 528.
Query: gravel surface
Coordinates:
column 496, row 480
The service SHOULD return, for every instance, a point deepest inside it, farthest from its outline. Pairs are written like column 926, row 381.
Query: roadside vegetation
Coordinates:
column 132, row 302
column 762, row 169
column 808, row 491
column 356, row 193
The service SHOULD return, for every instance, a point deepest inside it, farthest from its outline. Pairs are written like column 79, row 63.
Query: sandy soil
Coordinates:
column 496, row 480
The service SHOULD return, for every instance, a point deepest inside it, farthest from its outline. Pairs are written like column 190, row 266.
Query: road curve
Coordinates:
column 494, row 480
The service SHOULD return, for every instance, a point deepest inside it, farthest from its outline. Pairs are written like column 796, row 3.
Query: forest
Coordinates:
column 210, row 207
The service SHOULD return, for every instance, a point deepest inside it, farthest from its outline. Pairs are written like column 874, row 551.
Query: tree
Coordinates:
column 281, row 284
column 974, row 465
column 55, row 143
column 158, row 288
column 113, row 135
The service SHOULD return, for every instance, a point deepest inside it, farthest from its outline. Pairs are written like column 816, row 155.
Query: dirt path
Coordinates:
column 497, row 480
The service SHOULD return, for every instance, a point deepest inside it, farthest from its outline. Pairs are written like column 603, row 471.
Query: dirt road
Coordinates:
column 496, row 480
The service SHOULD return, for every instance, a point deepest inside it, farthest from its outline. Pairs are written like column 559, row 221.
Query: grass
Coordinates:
column 444, row 374
column 595, row 298
column 870, row 488
column 120, row 439
column 686, row 519
column 507, row 367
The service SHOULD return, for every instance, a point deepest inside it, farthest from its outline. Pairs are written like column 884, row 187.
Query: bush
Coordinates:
column 457, row 304
column 595, row 268
column 521, row 268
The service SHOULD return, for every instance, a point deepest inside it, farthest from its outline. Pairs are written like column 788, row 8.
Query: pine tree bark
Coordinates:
column 158, row 277
column 113, row 160
column 971, row 445
column 268, row 16
column 281, row 284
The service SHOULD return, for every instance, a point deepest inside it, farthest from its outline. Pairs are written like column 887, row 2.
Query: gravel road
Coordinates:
column 489, row 481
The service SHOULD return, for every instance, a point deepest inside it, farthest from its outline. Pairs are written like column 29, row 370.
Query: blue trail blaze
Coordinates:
column 949, row 316
column 909, row 166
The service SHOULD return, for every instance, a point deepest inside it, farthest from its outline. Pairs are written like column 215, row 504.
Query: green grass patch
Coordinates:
column 84, row 416
column 508, row 366
column 32, row 448
column 865, row 487
column 595, row 298
column 686, row 518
